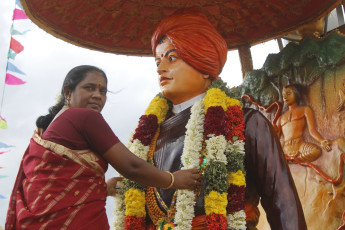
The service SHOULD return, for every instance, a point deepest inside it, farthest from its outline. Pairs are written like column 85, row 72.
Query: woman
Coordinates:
column 60, row 184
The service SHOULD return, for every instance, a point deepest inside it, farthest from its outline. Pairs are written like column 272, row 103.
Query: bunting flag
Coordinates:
column 13, row 80
column 16, row 46
column 3, row 176
column 19, row 14
column 3, row 145
column 2, row 197
column 3, row 124
column 19, row 4
column 16, row 32
column 3, row 153
column 11, row 54
column 11, row 67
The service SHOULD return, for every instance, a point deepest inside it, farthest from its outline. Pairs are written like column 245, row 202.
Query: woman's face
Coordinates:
column 178, row 81
column 90, row 93
column 289, row 97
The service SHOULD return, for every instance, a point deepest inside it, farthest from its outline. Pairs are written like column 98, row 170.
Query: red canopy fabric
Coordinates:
column 126, row 26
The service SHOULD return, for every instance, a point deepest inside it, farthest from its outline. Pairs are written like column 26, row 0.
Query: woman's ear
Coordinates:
column 66, row 91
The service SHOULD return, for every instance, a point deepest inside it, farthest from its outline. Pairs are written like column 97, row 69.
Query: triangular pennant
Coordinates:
column 19, row 4
column 3, row 145
column 2, row 197
column 16, row 46
column 3, row 176
column 19, row 14
column 16, row 32
column 3, row 153
column 3, row 125
column 11, row 54
column 11, row 67
column 12, row 80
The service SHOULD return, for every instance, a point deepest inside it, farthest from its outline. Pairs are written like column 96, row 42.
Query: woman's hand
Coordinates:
column 111, row 185
column 187, row 179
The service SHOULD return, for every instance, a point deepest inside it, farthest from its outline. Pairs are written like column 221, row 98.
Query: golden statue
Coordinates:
column 292, row 124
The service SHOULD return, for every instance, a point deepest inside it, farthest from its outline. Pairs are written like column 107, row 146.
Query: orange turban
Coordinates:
column 196, row 41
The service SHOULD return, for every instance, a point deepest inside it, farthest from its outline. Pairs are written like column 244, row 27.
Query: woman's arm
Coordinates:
column 136, row 169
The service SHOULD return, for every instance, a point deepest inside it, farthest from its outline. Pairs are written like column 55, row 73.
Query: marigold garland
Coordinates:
column 214, row 144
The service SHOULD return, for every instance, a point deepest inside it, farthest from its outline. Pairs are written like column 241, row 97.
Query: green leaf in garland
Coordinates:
column 216, row 177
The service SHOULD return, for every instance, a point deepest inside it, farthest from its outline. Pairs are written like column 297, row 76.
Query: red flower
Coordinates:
column 235, row 123
column 216, row 221
column 235, row 198
column 146, row 129
column 134, row 223
column 215, row 121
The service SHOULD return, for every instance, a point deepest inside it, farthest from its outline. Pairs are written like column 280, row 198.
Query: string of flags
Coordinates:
column 13, row 73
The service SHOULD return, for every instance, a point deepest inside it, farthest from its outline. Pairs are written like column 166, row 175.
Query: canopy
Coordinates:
column 126, row 26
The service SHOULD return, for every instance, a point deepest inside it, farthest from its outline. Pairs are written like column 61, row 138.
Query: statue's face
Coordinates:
column 289, row 96
column 178, row 81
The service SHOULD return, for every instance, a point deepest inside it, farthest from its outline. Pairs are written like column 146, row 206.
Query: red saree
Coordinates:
column 58, row 188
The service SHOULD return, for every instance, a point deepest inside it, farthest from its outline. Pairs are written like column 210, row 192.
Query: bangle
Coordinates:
column 172, row 180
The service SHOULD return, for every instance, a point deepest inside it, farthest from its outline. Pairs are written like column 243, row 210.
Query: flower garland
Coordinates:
column 214, row 142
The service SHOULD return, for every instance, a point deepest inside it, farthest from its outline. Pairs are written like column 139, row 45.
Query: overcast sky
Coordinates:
column 45, row 62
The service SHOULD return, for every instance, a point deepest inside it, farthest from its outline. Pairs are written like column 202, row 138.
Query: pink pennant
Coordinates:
column 19, row 14
column 12, row 80
column 16, row 46
column 2, row 118
column 3, row 153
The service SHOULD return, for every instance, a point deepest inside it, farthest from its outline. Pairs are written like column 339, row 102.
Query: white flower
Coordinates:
column 237, row 221
column 139, row 149
column 215, row 148
column 194, row 137
column 235, row 147
column 184, row 209
column 119, row 208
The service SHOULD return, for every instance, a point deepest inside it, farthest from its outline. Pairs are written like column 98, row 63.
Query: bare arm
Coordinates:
column 325, row 144
column 136, row 169
column 279, row 128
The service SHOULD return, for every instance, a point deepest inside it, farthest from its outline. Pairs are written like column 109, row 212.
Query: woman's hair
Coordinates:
column 72, row 79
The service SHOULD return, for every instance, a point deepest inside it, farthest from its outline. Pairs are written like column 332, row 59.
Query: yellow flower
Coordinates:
column 232, row 102
column 237, row 178
column 159, row 107
column 215, row 97
column 135, row 203
column 216, row 203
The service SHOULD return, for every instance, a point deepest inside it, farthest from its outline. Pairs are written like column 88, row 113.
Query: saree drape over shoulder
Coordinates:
column 58, row 188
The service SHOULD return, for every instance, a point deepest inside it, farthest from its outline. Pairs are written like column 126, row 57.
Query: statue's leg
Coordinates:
column 309, row 152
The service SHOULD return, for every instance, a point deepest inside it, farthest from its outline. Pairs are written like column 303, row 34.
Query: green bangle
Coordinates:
column 172, row 180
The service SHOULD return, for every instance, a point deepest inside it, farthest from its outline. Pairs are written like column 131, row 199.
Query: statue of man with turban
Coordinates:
column 193, row 123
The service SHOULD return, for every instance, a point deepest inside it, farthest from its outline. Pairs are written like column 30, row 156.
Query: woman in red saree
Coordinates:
column 60, row 183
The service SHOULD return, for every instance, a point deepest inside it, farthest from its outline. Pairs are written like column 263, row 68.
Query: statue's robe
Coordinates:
column 267, row 173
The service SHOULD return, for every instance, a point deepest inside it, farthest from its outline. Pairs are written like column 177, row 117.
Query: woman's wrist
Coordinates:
column 172, row 180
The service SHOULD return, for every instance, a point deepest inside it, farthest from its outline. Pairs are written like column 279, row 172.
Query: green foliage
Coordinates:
column 235, row 162
column 131, row 184
column 216, row 177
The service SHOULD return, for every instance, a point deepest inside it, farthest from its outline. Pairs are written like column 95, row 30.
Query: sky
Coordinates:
column 46, row 61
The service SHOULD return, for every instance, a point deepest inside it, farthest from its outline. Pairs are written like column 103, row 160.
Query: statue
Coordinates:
column 194, row 123
column 341, row 98
column 291, row 126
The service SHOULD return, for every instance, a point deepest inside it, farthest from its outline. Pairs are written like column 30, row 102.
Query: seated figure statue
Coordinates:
column 194, row 123
column 291, row 126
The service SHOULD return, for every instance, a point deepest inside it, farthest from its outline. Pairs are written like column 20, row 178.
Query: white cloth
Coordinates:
column 184, row 105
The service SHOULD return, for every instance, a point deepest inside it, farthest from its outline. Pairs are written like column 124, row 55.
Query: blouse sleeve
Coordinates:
column 98, row 133
column 269, row 174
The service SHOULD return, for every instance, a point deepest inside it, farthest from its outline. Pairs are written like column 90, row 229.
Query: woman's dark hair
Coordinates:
column 72, row 79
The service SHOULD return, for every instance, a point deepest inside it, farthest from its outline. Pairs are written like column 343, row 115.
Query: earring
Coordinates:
column 68, row 102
